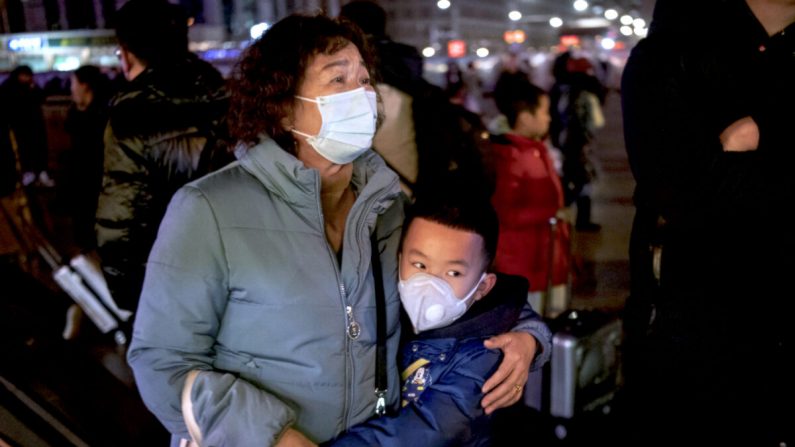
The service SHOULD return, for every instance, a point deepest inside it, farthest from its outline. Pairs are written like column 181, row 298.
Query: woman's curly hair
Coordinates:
column 265, row 80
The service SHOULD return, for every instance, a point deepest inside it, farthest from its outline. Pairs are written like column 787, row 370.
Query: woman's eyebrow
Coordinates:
column 337, row 63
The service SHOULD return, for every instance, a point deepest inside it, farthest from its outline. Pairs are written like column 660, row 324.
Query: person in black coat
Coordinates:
column 85, row 124
column 21, row 101
column 707, row 330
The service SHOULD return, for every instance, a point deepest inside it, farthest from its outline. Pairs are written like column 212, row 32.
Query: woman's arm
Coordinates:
column 530, row 343
column 182, row 304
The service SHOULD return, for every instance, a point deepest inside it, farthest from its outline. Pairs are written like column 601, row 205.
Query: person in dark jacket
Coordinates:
column 165, row 129
column 422, row 136
column 575, row 99
column 21, row 102
column 8, row 160
column 707, row 130
column 453, row 302
column 85, row 123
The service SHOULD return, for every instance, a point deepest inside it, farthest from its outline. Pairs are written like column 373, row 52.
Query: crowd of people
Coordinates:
column 327, row 249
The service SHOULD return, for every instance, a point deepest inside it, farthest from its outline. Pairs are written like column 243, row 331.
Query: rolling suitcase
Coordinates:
column 80, row 278
column 584, row 371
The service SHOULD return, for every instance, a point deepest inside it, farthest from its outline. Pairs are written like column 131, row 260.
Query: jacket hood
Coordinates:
column 169, row 97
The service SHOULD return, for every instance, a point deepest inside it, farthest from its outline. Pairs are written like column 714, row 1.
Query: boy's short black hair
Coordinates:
column 458, row 209
column 518, row 96
column 155, row 31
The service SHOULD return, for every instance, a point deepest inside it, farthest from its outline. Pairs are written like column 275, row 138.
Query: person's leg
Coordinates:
column 583, row 222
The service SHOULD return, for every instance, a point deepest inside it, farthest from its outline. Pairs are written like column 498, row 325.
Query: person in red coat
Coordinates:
column 528, row 193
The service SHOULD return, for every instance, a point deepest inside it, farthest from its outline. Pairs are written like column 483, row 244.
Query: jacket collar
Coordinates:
column 518, row 140
column 286, row 176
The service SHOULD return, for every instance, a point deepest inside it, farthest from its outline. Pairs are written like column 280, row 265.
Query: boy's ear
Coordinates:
column 485, row 286
column 523, row 120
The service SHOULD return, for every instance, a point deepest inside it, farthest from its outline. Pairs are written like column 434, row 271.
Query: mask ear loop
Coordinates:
column 304, row 98
column 293, row 129
column 474, row 289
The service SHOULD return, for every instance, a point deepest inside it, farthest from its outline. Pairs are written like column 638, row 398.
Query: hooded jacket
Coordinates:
column 242, row 285
column 528, row 193
column 162, row 132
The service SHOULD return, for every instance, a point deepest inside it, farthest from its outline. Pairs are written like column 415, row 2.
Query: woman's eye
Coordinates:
column 338, row 79
column 365, row 81
column 418, row 265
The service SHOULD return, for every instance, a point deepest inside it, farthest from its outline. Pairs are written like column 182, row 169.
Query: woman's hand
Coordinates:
column 505, row 387
column 294, row 438
column 741, row 136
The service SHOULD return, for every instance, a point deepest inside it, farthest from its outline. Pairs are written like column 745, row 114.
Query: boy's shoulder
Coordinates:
column 516, row 141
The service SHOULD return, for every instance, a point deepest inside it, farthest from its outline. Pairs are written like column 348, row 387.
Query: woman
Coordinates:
column 258, row 307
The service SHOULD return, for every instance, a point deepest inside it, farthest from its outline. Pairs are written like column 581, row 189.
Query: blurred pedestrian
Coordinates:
column 528, row 194
column 576, row 115
column 21, row 102
column 423, row 136
column 166, row 127
column 82, row 170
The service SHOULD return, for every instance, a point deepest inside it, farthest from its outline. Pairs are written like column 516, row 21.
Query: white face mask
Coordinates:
column 348, row 125
column 430, row 301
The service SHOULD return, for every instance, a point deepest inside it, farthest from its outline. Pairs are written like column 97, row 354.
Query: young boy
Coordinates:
column 528, row 194
column 445, row 256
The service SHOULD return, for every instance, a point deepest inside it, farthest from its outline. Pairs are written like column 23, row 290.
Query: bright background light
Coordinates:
column 443, row 4
column 626, row 19
column 580, row 5
column 257, row 30
column 611, row 14
column 482, row 52
column 626, row 30
column 514, row 15
column 555, row 22
column 639, row 23
column 608, row 43
column 428, row 52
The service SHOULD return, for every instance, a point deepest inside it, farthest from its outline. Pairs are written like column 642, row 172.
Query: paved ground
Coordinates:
column 55, row 393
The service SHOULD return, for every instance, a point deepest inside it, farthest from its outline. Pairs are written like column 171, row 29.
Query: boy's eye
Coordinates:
column 418, row 265
column 453, row 273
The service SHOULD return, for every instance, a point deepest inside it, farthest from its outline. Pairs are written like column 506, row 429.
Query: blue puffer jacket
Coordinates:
column 443, row 371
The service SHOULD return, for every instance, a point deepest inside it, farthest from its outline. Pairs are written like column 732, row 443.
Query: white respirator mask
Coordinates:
column 430, row 301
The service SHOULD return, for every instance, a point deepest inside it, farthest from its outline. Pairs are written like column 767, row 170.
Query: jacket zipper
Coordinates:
column 349, row 319
column 346, row 404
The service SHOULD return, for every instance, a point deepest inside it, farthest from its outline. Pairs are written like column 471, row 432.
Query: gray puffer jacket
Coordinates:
column 242, row 284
